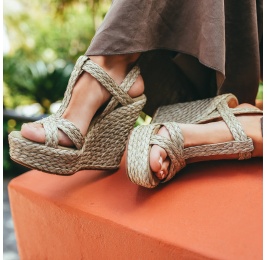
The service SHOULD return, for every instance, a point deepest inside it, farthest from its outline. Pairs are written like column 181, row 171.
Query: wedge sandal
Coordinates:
column 143, row 137
column 200, row 111
column 104, row 143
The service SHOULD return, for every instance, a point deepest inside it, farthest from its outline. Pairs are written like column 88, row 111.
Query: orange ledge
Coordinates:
column 210, row 210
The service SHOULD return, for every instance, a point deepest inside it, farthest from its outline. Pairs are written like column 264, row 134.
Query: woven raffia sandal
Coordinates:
column 200, row 111
column 143, row 137
column 104, row 143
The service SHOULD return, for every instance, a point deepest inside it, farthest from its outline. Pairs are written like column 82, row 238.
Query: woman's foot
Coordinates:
column 209, row 133
column 88, row 96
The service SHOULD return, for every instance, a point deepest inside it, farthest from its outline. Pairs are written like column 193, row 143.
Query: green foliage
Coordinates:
column 40, row 82
column 46, row 38
column 41, row 34
column 260, row 92
column 10, row 169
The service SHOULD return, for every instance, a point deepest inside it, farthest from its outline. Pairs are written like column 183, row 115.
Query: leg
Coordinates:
column 88, row 96
column 209, row 133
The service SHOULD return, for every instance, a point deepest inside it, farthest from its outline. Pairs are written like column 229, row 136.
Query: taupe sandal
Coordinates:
column 200, row 111
column 143, row 137
column 104, row 143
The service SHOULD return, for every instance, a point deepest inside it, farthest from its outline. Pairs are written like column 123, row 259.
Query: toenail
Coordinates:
column 162, row 174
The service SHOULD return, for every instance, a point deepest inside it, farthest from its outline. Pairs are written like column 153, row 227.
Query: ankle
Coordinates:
column 117, row 66
column 96, row 94
column 113, row 60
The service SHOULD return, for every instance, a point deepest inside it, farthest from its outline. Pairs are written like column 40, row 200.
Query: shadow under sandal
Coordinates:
column 199, row 111
column 143, row 137
column 105, row 141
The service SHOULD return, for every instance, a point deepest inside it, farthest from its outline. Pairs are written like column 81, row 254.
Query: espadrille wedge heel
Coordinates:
column 199, row 111
column 105, row 141
column 143, row 137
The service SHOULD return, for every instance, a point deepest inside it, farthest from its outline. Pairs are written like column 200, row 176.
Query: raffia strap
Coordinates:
column 231, row 147
column 77, row 71
column 125, row 86
column 237, row 111
column 231, row 121
column 79, row 63
column 119, row 92
column 210, row 105
column 173, row 147
column 51, row 125
column 51, row 133
column 97, row 72
column 193, row 111
column 234, row 126
column 130, row 79
column 71, row 131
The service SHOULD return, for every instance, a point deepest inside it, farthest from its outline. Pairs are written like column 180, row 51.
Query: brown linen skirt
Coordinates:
column 191, row 49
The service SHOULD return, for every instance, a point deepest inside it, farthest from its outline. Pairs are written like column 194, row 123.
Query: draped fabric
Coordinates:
column 191, row 49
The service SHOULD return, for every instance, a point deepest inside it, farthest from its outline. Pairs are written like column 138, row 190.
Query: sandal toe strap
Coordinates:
column 51, row 125
column 174, row 147
column 71, row 131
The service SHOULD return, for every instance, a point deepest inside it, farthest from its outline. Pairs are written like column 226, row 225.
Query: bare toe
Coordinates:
column 163, row 172
column 34, row 132
column 159, row 161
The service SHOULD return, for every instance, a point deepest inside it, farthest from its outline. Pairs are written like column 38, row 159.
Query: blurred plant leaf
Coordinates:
column 38, row 80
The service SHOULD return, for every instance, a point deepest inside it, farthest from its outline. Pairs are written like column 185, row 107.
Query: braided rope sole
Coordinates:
column 103, row 148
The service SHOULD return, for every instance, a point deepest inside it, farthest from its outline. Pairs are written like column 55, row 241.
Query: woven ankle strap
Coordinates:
column 234, row 126
column 118, row 92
